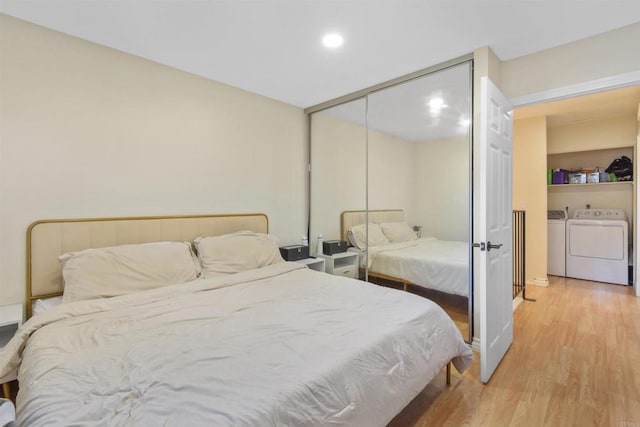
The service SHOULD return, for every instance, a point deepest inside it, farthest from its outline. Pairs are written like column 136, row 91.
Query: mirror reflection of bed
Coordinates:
column 403, row 148
column 397, row 257
column 457, row 307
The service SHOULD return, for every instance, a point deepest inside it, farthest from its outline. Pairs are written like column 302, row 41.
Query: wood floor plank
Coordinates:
column 574, row 361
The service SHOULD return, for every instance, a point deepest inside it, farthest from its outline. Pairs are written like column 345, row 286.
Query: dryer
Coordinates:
column 597, row 246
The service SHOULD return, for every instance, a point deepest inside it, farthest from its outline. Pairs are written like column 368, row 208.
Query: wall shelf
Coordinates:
column 592, row 185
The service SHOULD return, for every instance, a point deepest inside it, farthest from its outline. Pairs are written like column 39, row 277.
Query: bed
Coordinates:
column 276, row 345
column 427, row 262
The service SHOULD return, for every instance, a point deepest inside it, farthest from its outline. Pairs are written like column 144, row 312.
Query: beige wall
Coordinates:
column 611, row 197
column 607, row 132
column 428, row 180
column 530, row 191
column 442, row 191
column 392, row 175
column 597, row 57
column 338, row 173
column 339, row 176
column 88, row 131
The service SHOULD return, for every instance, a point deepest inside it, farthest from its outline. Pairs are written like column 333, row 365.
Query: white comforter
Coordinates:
column 282, row 346
column 440, row 265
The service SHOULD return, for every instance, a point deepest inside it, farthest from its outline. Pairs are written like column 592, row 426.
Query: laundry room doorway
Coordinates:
column 567, row 158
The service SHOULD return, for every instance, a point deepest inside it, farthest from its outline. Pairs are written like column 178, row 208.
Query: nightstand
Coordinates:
column 10, row 321
column 342, row 264
column 316, row 264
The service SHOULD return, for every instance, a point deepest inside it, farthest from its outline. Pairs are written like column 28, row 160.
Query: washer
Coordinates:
column 556, row 250
column 597, row 246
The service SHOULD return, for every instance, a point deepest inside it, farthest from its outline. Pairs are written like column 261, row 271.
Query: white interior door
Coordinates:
column 495, row 261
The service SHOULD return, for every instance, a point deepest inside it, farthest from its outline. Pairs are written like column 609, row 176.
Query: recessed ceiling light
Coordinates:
column 332, row 40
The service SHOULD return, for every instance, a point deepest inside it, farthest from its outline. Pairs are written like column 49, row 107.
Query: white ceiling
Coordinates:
column 273, row 47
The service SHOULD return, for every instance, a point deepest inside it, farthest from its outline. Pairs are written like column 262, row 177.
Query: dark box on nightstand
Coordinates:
column 331, row 247
column 294, row 252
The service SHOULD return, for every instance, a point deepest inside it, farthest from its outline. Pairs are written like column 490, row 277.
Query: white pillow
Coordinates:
column 120, row 270
column 357, row 236
column 236, row 252
column 42, row 304
column 398, row 232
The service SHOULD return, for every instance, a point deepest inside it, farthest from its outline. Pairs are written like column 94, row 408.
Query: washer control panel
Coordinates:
column 600, row 214
column 556, row 214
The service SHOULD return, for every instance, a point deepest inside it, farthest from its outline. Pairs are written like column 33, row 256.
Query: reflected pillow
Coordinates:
column 121, row 270
column 398, row 232
column 236, row 252
column 358, row 237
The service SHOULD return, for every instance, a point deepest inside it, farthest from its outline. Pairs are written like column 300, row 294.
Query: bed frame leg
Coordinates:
column 404, row 286
column 6, row 391
column 449, row 373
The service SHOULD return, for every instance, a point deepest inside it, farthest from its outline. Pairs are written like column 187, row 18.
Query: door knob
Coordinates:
column 492, row 246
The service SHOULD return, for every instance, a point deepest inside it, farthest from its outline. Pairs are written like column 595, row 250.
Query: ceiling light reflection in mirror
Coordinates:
column 435, row 105
column 408, row 112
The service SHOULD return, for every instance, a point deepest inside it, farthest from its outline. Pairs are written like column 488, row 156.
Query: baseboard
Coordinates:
column 539, row 281
column 516, row 302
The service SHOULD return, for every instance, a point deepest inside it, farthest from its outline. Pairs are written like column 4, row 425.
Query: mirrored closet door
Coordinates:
column 419, row 149
column 338, row 169
column 400, row 160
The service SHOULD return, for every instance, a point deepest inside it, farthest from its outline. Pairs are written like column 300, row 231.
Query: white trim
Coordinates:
column 607, row 83
column 516, row 302
column 475, row 345
column 539, row 281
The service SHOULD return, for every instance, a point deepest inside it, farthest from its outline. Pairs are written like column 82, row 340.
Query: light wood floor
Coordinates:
column 574, row 361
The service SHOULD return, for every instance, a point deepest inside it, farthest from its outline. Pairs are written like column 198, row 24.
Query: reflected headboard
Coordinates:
column 350, row 218
column 48, row 239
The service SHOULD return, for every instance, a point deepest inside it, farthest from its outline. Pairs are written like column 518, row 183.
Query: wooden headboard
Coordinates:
column 48, row 239
column 350, row 218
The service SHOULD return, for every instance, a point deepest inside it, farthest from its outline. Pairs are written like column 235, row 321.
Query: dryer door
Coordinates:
column 597, row 250
column 598, row 239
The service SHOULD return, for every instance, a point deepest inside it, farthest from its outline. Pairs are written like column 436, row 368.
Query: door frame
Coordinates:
column 593, row 86
column 618, row 81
